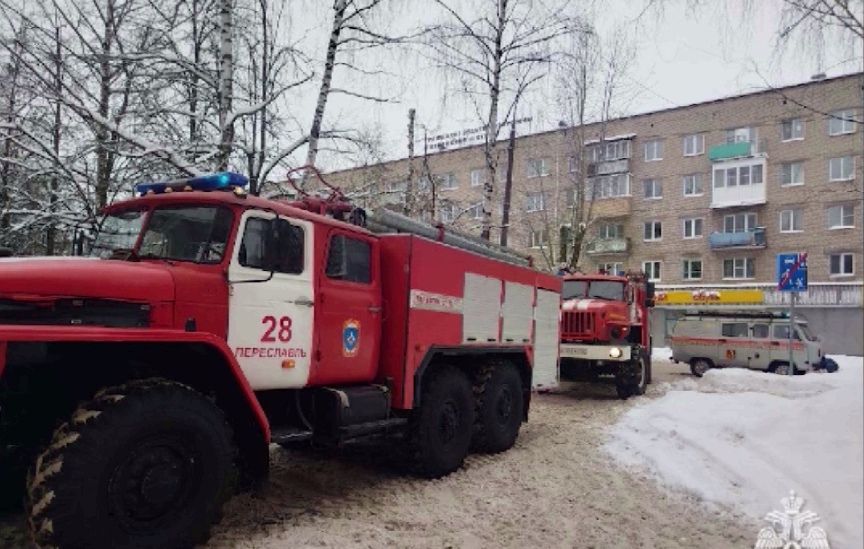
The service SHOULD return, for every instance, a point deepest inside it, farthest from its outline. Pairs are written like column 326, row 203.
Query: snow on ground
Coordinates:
column 745, row 439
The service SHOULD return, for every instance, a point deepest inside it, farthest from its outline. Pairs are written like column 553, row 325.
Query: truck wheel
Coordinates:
column 698, row 366
column 633, row 387
column 441, row 430
column 143, row 465
column 499, row 407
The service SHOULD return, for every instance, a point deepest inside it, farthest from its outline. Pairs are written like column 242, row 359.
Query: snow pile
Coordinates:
column 746, row 439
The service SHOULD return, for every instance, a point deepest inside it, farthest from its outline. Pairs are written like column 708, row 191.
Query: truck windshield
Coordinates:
column 599, row 289
column 185, row 233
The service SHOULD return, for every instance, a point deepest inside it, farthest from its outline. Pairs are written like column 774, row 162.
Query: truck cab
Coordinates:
column 605, row 329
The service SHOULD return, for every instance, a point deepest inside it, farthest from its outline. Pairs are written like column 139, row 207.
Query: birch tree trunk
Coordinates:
column 226, row 82
column 491, row 148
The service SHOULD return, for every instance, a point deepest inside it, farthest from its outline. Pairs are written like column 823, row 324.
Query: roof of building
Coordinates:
column 768, row 90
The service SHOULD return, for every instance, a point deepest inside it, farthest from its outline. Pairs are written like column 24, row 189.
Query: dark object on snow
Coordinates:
column 6, row 252
column 829, row 365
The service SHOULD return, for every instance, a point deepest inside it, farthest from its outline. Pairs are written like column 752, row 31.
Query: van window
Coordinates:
column 760, row 330
column 737, row 329
column 781, row 331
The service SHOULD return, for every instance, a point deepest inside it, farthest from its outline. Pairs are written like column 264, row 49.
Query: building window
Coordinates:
column 448, row 212
column 841, row 217
column 653, row 150
column 538, row 238
column 739, row 267
column 739, row 223
column 475, row 211
column 535, row 201
column 652, row 230
column 610, row 186
column 791, row 173
column 692, row 185
column 694, row 144
column 841, row 264
column 652, row 188
column 478, row 177
column 651, row 270
column 537, row 167
column 447, row 181
column 792, row 129
column 611, row 268
column 610, row 230
column 693, row 227
column 841, row 168
column 738, row 176
column 612, row 150
column 572, row 164
column 841, row 122
column 790, row 221
column 736, row 135
column 691, row 269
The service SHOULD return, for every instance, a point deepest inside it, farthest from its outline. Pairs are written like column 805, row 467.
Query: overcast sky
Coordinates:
column 680, row 60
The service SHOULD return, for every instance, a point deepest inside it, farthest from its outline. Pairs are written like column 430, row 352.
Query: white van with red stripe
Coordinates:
column 754, row 340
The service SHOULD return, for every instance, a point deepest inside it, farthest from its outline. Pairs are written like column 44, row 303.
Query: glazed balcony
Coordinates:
column 608, row 246
column 737, row 150
column 753, row 239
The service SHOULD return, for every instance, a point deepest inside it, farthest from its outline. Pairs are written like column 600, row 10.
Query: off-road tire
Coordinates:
column 441, row 428
column 627, row 388
column 137, row 436
column 498, row 408
column 697, row 371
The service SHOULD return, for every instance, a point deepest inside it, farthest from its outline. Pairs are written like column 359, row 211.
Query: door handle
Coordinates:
column 723, row 340
column 304, row 302
column 374, row 309
column 775, row 343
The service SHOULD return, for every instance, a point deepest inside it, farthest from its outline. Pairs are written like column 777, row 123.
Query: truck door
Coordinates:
column 270, row 300
column 759, row 354
column 780, row 344
column 734, row 340
column 348, row 326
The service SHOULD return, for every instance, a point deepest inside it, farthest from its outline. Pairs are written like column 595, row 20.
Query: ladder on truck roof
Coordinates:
column 382, row 220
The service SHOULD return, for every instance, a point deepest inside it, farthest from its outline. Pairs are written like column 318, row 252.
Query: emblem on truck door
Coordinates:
column 350, row 337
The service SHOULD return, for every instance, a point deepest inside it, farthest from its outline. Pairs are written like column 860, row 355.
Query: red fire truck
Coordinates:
column 143, row 384
column 605, row 329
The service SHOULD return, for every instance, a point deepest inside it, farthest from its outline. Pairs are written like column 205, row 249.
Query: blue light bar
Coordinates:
column 209, row 182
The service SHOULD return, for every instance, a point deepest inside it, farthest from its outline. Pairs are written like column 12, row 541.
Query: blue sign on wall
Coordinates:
column 792, row 272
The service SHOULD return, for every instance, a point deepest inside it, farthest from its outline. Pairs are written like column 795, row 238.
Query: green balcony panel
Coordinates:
column 729, row 150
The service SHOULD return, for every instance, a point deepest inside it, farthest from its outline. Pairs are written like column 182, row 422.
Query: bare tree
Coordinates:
column 496, row 51
column 590, row 92
column 354, row 29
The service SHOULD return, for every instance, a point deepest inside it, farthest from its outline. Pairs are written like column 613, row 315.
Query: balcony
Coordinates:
column 736, row 150
column 608, row 167
column 751, row 239
column 608, row 246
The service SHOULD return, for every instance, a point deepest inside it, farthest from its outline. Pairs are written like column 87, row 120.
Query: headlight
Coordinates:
column 614, row 352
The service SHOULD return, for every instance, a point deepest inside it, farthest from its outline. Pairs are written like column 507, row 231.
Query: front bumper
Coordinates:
column 606, row 353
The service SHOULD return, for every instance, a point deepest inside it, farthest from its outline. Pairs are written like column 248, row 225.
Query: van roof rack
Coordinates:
column 739, row 314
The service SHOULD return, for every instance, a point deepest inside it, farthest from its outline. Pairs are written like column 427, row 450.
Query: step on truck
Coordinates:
column 605, row 329
column 142, row 385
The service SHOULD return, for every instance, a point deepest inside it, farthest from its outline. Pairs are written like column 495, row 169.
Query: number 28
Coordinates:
column 281, row 327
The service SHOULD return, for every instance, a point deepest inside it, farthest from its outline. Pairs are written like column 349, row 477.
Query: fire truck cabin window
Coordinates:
column 349, row 259
column 119, row 231
column 187, row 233
column 272, row 245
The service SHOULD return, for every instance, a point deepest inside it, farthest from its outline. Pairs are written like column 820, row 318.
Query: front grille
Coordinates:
column 75, row 312
column 577, row 325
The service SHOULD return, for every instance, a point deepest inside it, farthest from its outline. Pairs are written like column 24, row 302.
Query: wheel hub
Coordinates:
column 152, row 483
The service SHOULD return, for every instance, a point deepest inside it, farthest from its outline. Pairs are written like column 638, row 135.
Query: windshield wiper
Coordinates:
column 151, row 255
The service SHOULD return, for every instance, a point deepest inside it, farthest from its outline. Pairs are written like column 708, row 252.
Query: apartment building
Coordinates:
column 701, row 197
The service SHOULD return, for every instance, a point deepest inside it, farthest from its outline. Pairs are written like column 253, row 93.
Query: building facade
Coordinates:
column 702, row 198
